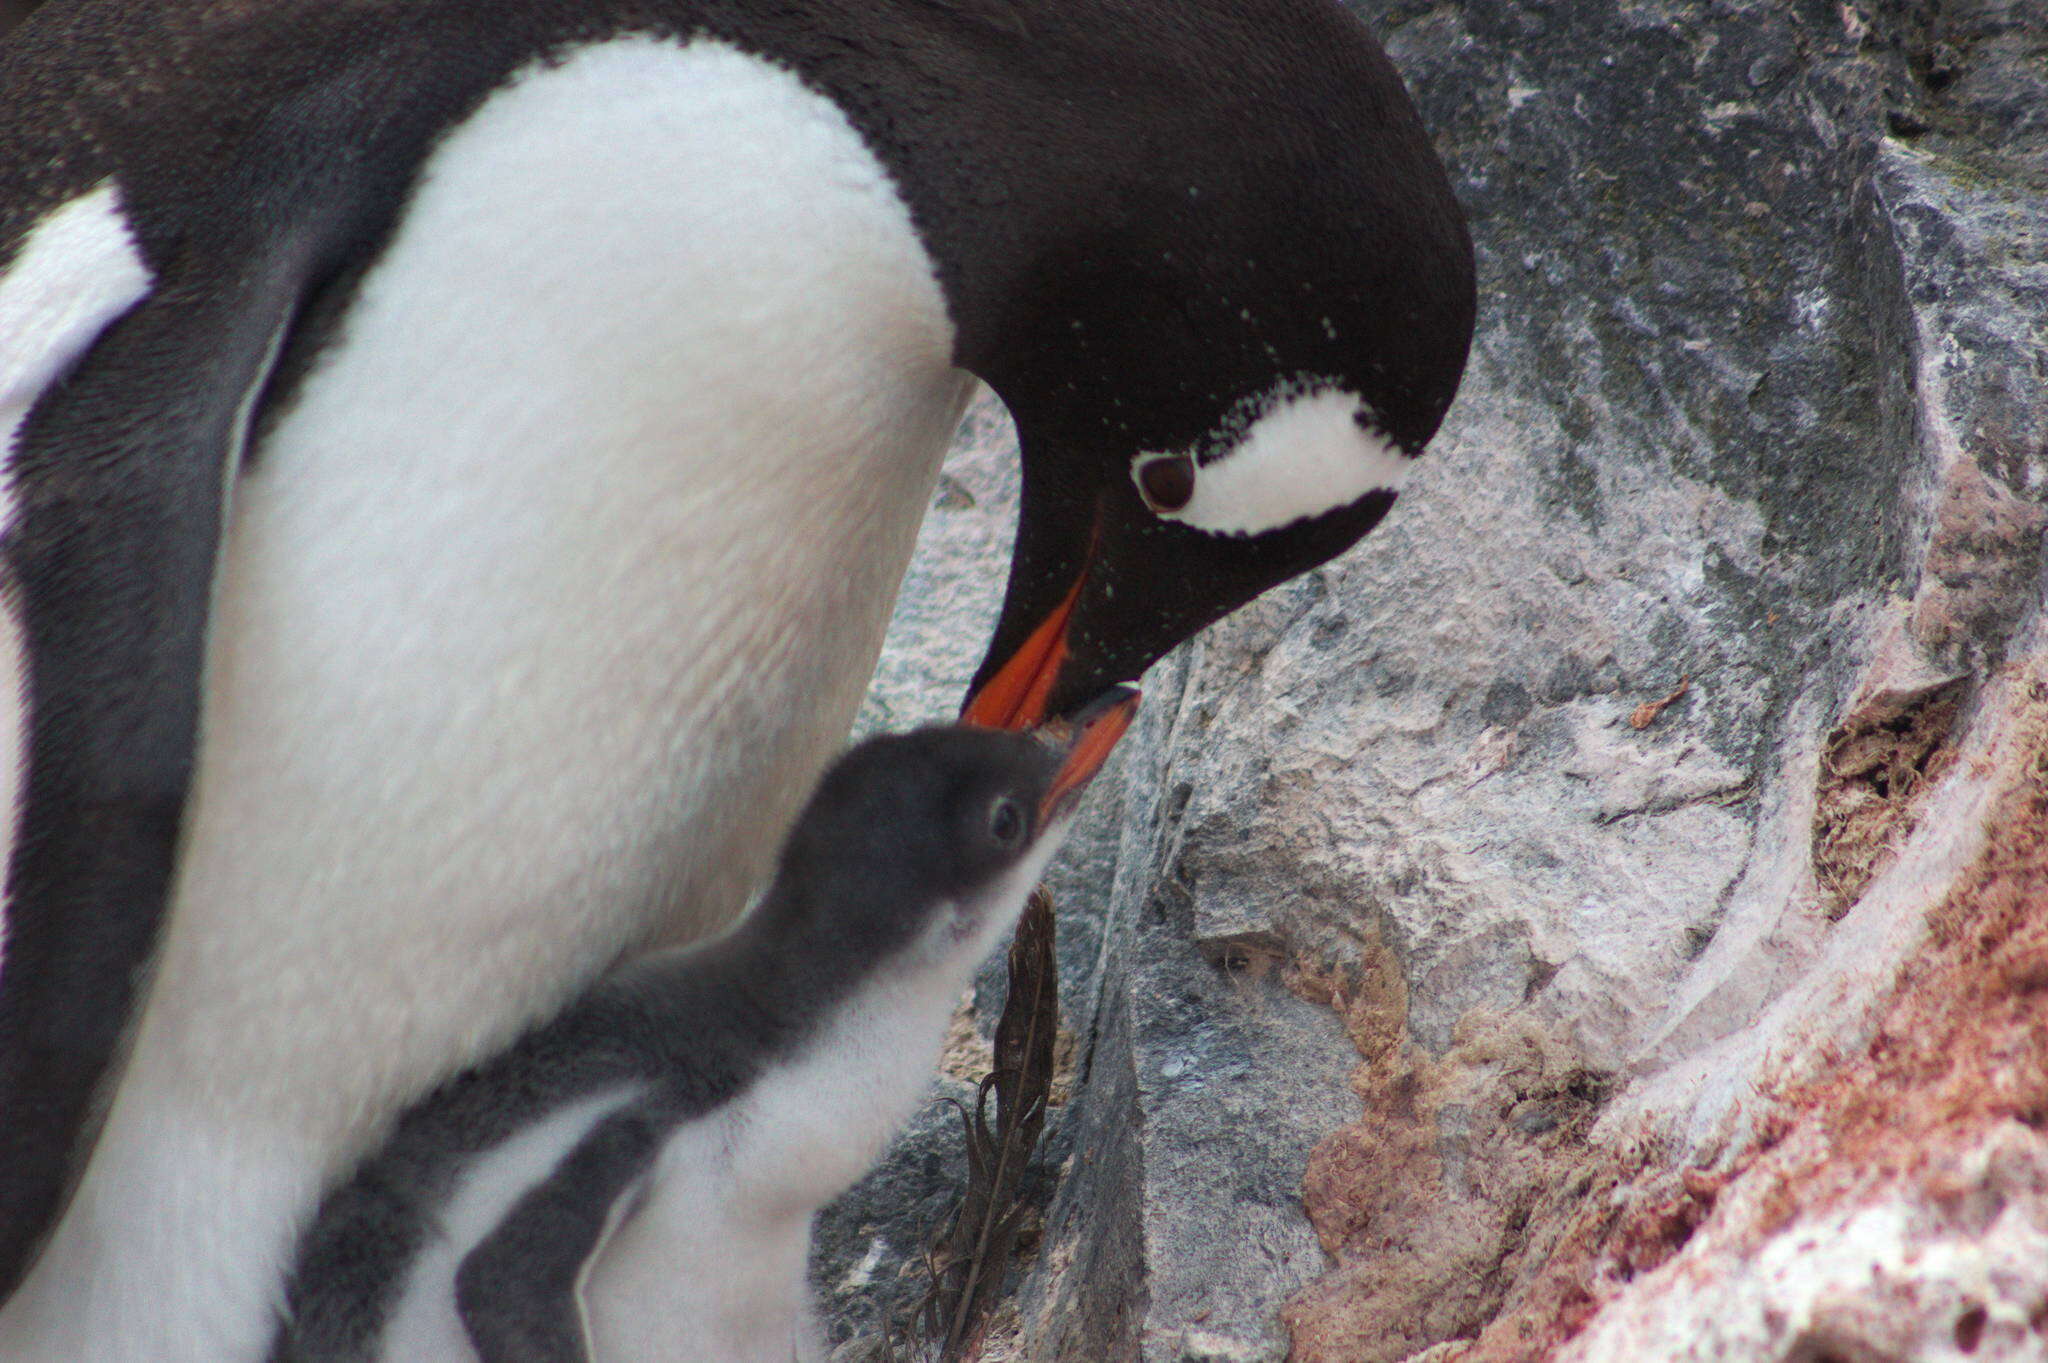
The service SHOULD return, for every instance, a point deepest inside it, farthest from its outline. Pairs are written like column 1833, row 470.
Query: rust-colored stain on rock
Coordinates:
column 1964, row 1043
column 1454, row 1190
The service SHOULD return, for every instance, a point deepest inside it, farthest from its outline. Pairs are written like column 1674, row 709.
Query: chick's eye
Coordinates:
column 1006, row 822
column 1166, row 482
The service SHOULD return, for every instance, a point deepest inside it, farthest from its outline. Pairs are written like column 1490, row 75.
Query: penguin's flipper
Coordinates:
column 120, row 480
column 121, row 477
column 519, row 1292
column 351, row 1266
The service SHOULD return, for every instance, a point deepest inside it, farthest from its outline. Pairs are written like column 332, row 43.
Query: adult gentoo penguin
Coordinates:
column 446, row 439
column 637, row 1178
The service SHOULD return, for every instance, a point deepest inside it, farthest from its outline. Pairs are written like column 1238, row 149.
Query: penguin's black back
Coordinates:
column 1047, row 112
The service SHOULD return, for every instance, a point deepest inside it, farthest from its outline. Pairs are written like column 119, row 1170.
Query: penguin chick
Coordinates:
column 637, row 1179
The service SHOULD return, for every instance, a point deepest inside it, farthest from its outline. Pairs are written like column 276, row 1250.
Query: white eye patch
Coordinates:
column 1306, row 455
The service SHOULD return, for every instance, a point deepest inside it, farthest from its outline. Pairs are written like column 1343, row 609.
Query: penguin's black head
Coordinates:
column 1223, row 364
column 935, row 838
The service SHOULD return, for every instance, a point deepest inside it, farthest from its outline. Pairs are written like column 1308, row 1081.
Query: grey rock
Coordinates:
column 1229, row 1074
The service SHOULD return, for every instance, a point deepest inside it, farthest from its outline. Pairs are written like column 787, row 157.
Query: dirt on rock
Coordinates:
column 1473, row 1221
column 1873, row 767
column 1460, row 1181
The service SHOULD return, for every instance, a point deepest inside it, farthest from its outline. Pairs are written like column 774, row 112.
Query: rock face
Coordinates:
column 1605, row 915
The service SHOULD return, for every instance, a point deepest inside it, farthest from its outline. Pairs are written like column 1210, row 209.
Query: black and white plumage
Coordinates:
column 446, row 440
column 637, row 1179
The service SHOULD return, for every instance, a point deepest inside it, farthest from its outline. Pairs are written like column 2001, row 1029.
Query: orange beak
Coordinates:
column 1014, row 698
column 1097, row 729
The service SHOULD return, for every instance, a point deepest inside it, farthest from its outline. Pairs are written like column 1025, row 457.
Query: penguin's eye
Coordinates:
column 1165, row 481
column 1006, row 822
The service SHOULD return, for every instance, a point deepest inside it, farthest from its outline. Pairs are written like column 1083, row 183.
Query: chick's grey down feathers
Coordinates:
column 897, row 837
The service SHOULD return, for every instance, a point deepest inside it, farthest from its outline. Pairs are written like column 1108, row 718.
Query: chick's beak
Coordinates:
column 1095, row 731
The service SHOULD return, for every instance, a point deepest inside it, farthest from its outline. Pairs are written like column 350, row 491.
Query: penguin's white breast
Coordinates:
column 594, row 515
column 539, row 611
